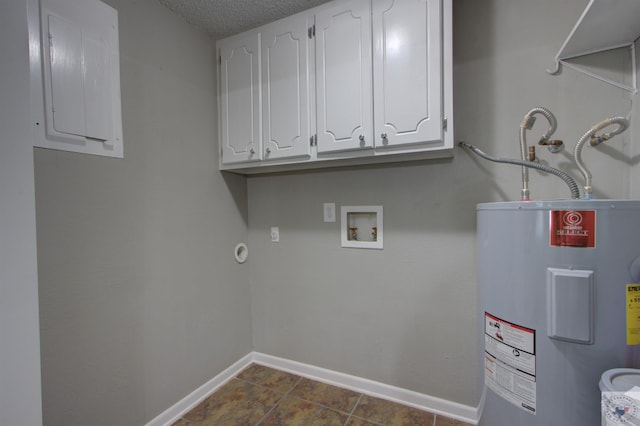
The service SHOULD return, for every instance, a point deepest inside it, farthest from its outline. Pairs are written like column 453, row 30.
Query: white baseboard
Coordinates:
column 369, row 387
column 172, row 414
column 421, row 401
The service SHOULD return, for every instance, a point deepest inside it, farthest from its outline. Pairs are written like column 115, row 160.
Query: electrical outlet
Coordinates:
column 275, row 234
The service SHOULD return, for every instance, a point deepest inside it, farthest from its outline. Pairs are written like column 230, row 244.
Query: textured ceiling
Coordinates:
column 221, row 18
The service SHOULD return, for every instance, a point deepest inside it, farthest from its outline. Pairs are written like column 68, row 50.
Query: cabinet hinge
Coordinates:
column 444, row 123
column 312, row 31
column 313, row 140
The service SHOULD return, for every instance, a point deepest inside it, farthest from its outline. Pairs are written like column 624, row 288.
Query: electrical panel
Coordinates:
column 79, row 78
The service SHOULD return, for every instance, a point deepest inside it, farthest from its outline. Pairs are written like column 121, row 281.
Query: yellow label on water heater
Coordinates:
column 633, row 314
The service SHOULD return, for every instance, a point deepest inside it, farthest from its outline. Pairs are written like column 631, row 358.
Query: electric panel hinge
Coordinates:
column 312, row 31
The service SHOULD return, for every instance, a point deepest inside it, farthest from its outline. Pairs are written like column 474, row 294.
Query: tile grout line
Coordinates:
column 317, row 404
column 326, row 407
column 352, row 410
column 279, row 400
column 288, row 393
column 189, row 422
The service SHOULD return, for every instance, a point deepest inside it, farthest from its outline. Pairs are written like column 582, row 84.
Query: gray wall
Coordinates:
column 406, row 316
column 141, row 300
column 19, row 344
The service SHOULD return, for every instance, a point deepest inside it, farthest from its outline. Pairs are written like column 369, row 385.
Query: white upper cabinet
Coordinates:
column 239, row 95
column 407, row 65
column 344, row 116
column 285, row 88
column 348, row 82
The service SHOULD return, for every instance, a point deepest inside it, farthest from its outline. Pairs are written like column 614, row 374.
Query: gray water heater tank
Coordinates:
column 556, row 282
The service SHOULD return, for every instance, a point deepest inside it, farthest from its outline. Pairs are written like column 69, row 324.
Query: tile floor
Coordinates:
column 263, row 396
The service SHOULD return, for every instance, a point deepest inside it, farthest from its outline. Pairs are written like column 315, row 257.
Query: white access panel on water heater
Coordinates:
column 570, row 305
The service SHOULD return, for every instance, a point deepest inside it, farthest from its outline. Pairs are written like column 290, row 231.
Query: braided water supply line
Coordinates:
column 622, row 123
column 527, row 124
column 571, row 183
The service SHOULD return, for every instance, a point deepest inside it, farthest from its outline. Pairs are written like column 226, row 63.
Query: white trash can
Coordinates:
column 620, row 389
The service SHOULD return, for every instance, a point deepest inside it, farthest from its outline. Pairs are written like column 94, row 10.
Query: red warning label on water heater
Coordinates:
column 572, row 228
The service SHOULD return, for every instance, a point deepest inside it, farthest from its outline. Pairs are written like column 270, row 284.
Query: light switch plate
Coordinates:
column 329, row 210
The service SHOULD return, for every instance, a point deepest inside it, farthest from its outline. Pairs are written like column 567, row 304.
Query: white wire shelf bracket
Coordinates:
column 604, row 25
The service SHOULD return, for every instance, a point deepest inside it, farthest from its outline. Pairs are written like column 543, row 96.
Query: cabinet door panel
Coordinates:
column 240, row 98
column 285, row 89
column 343, row 77
column 407, row 72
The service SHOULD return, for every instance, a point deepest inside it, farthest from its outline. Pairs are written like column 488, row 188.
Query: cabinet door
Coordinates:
column 407, row 72
column 240, row 98
column 343, row 76
column 285, row 88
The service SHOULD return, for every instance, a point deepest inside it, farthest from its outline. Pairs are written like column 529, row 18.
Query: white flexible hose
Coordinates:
column 622, row 123
column 527, row 124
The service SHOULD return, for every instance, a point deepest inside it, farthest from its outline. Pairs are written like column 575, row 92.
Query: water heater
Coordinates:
column 559, row 304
